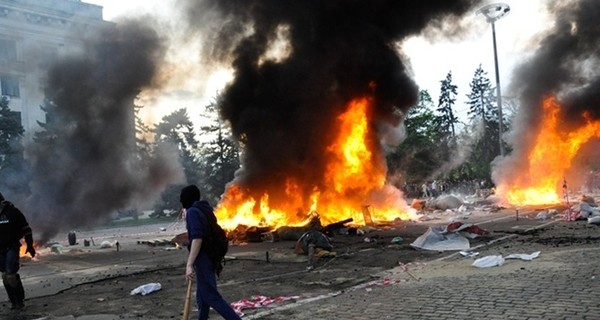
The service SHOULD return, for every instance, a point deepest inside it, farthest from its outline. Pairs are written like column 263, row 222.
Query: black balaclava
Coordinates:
column 189, row 195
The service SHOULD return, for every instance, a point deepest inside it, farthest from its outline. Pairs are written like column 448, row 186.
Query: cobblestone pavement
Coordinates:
column 561, row 284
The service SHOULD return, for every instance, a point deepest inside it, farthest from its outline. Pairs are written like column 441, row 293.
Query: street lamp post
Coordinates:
column 493, row 12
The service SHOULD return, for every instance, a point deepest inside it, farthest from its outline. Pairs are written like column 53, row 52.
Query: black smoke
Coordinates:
column 565, row 65
column 283, row 109
column 85, row 168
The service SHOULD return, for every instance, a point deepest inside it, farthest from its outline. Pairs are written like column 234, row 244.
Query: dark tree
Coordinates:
column 14, row 170
column 177, row 128
column 220, row 154
column 446, row 119
column 416, row 157
column 483, row 111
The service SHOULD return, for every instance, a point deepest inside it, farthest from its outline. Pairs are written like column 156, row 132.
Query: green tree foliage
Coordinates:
column 51, row 127
column 143, row 132
column 177, row 128
column 483, row 110
column 13, row 167
column 220, row 155
column 446, row 120
column 416, row 158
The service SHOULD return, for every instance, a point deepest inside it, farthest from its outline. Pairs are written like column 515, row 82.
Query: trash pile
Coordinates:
column 453, row 208
column 586, row 209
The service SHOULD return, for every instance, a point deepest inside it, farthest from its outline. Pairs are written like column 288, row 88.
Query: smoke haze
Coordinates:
column 283, row 107
column 87, row 168
column 566, row 64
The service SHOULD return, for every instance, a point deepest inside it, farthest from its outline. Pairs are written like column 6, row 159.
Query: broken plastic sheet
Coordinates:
column 146, row 289
column 435, row 239
column 488, row 261
column 468, row 230
column 594, row 220
column 523, row 256
column 498, row 260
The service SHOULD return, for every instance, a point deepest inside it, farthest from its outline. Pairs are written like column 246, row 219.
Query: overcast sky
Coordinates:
column 431, row 59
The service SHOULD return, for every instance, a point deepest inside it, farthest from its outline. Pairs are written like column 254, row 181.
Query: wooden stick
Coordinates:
column 188, row 298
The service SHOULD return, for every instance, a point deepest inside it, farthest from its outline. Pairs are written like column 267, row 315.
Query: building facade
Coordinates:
column 32, row 34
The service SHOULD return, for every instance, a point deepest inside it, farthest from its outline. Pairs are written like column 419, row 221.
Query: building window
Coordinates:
column 8, row 50
column 10, row 86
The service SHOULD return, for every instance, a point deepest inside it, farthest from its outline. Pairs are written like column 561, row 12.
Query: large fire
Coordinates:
column 354, row 184
column 550, row 159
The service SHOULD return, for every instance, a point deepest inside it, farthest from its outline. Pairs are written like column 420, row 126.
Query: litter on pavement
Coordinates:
column 523, row 256
column 454, row 236
column 146, row 289
column 498, row 260
column 488, row 261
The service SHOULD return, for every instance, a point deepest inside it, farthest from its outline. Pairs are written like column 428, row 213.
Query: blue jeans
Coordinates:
column 207, row 294
column 9, row 260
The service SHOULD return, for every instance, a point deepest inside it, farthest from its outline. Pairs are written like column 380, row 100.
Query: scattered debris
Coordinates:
column 331, row 228
column 469, row 254
column 542, row 215
column 258, row 301
column 56, row 248
column 523, row 256
column 106, row 244
column 418, row 204
column 146, row 289
column 488, row 261
column 469, row 230
column 445, row 202
column 397, row 240
column 436, row 239
column 594, row 220
column 157, row 242
column 315, row 238
column 498, row 260
column 452, row 237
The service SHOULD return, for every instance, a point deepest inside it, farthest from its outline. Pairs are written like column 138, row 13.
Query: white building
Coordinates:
column 32, row 34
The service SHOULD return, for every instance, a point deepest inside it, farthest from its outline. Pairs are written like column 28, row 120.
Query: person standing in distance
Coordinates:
column 199, row 265
column 13, row 227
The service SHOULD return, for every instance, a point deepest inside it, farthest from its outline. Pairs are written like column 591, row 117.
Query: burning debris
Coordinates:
column 318, row 88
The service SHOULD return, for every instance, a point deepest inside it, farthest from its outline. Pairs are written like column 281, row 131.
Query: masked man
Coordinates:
column 13, row 227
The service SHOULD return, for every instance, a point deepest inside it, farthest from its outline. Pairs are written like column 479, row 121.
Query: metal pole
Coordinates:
column 498, row 92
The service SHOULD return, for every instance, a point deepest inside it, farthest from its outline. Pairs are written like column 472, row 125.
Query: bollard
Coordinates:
column 311, row 255
column 72, row 238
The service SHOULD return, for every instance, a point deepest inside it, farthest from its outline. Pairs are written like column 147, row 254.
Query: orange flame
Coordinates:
column 23, row 249
column 550, row 159
column 355, row 177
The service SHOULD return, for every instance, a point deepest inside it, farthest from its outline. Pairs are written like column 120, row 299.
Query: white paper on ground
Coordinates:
column 146, row 289
column 435, row 239
column 523, row 256
column 488, row 261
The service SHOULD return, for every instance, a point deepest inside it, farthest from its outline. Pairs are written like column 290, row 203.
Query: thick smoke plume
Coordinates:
column 297, row 64
column 87, row 168
column 566, row 65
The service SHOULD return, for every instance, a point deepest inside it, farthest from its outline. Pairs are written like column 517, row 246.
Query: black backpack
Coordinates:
column 216, row 242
